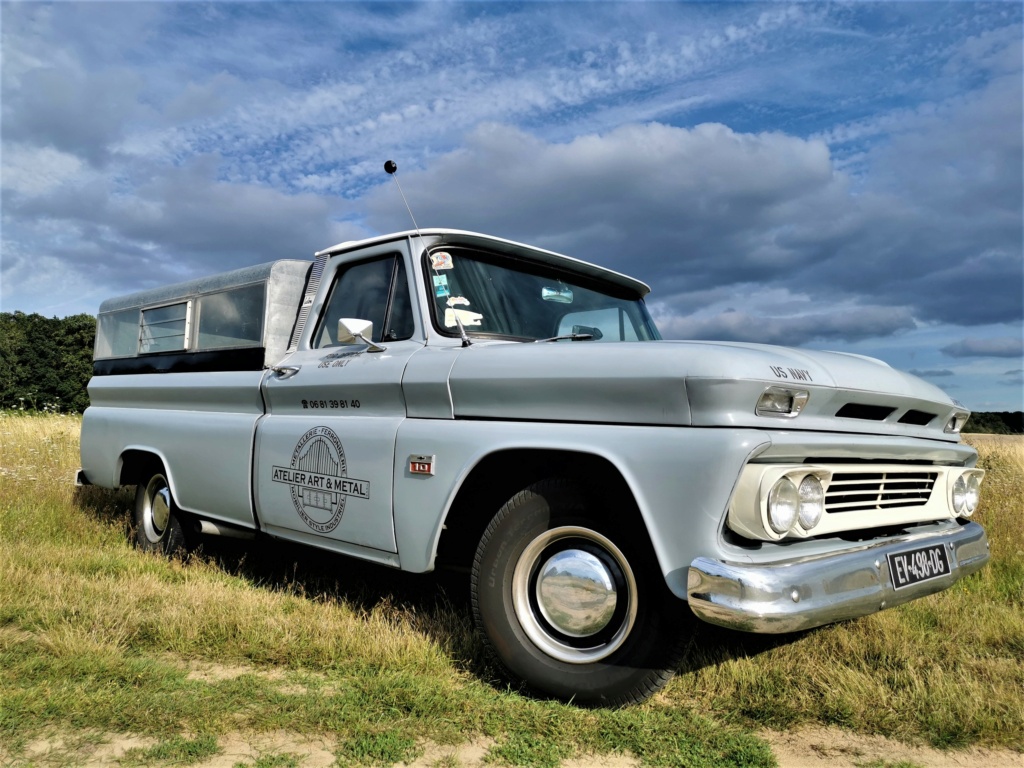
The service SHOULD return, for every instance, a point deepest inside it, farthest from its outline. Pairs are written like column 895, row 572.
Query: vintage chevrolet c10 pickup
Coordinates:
column 441, row 397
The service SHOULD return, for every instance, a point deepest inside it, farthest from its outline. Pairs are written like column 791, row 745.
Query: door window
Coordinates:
column 377, row 291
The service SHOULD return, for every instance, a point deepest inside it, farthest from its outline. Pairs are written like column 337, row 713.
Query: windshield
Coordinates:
column 511, row 298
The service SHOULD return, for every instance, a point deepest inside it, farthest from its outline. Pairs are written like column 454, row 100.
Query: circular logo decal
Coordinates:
column 318, row 476
column 319, row 456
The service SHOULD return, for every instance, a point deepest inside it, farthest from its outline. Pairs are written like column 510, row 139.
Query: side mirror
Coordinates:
column 355, row 331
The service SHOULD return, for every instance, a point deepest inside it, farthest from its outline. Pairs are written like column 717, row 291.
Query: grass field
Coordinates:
column 98, row 639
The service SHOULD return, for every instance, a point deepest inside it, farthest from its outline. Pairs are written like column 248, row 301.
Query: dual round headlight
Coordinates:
column 789, row 504
column 966, row 492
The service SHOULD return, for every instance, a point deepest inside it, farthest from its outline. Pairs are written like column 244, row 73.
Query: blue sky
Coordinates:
column 840, row 176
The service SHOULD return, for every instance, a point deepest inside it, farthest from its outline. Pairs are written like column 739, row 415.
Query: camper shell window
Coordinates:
column 117, row 334
column 165, row 329
column 232, row 318
column 240, row 320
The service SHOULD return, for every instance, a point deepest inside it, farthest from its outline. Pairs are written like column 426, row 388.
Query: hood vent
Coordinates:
column 917, row 418
column 865, row 412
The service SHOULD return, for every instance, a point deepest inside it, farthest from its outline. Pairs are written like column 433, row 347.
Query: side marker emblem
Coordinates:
column 421, row 465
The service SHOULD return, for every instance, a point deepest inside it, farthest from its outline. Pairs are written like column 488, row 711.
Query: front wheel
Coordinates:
column 157, row 518
column 571, row 600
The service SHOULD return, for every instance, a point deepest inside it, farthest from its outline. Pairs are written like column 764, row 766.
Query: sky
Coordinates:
column 830, row 176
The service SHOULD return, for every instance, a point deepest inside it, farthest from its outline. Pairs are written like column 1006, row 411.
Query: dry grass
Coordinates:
column 96, row 635
column 1008, row 447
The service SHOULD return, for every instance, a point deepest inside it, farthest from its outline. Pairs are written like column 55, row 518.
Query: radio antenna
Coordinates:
column 391, row 168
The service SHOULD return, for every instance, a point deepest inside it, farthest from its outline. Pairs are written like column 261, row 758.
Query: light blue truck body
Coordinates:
column 366, row 453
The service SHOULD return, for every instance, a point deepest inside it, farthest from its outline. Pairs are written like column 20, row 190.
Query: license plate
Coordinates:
column 918, row 565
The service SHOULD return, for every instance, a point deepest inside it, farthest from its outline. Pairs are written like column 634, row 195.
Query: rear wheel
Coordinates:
column 157, row 518
column 571, row 600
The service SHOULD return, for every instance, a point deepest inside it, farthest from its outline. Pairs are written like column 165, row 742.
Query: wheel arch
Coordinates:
column 135, row 464
column 499, row 475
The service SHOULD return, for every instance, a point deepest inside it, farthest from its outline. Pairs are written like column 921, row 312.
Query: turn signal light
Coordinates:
column 781, row 401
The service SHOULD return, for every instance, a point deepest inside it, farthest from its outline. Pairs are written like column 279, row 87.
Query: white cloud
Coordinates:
column 775, row 316
column 34, row 171
column 1006, row 346
column 71, row 110
column 63, row 289
column 859, row 323
column 706, row 205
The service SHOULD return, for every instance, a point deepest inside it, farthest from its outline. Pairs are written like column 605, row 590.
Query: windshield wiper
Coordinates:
column 568, row 336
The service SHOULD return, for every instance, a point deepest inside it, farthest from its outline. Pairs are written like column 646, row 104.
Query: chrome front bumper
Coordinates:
column 791, row 595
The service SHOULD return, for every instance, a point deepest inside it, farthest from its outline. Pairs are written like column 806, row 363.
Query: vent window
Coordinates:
column 165, row 329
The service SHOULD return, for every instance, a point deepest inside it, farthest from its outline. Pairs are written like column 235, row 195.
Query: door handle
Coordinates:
column 285, row 371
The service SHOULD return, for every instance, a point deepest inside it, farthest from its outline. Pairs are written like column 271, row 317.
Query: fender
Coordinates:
column 665, row 470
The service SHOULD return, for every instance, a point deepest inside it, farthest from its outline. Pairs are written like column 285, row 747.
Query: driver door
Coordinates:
column 325, row 451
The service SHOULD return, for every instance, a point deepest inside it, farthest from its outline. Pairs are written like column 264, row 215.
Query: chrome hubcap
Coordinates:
column 158, row 508
column 574, row 594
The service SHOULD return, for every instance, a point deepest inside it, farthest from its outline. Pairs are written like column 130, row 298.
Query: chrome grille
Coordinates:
column 860, row 491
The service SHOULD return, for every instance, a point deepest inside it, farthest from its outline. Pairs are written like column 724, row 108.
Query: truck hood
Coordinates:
column 692, row 383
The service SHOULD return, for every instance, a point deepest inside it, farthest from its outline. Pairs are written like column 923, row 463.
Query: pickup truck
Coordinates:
column 445, row 398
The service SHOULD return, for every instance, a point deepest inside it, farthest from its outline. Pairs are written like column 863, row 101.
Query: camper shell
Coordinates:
column 235, row 321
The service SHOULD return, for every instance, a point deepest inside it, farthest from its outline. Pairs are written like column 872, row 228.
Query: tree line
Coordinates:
column 46, row 364
column 996, row 422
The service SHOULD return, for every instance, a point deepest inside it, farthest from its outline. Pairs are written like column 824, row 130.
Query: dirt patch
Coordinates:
column 215, row 673
column 815, row 747
column 474, row 755
column 107, row 750
column 309, row 752
column 819, row 747
column 84, row 748
column 602, row 761
column 469, row 755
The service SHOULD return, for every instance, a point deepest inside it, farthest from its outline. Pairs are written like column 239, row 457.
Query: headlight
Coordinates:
column 966, row 492
column 783, row 504
column 812, row 502
column 972, row 495
column 960, row 495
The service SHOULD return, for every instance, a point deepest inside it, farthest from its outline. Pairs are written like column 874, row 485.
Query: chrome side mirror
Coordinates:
column 356, row 331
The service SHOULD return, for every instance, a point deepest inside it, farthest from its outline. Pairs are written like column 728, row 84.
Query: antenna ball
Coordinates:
column 390, row 166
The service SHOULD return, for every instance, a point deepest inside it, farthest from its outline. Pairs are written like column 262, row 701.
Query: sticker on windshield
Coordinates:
column 467, row 317
column 441, row 260
column 458, row 301
column 441, row 286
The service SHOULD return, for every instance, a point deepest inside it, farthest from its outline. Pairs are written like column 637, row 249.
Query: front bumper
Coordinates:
column 797, row 594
